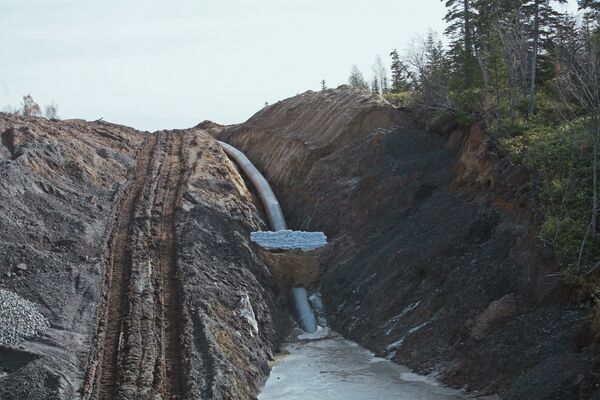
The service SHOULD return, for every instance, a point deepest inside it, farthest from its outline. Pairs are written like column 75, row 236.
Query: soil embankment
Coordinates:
column 434, row 260
column 135, row 247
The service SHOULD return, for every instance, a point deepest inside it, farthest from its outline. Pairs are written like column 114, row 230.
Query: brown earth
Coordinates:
column 434, row 259
column 294, row 268
column 137, row 251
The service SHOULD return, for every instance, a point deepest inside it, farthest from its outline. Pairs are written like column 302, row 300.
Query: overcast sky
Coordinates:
column 171, row 64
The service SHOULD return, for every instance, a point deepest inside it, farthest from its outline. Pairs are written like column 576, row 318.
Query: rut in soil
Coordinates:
column 161, row 152
column 169, row 320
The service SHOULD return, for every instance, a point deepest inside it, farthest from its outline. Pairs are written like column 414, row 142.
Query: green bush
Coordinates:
column 562, row 159
column 402, row 99
column 467, row 100
column 437, row 120
column 550, row 110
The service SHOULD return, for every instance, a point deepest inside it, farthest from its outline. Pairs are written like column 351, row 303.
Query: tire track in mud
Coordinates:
column 168, row 293
column 143, row 234
column 101, row 380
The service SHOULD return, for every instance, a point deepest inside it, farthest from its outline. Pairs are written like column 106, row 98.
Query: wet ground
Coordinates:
column 340, row 369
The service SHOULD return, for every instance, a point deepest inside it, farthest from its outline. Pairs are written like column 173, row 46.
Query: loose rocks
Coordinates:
column 19, row 319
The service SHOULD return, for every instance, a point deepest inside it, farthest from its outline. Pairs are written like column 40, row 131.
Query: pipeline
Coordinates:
column 303, row 309
column 274, row 213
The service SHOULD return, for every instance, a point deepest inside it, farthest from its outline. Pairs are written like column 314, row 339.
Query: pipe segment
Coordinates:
column 305, row 314
column 272, row 208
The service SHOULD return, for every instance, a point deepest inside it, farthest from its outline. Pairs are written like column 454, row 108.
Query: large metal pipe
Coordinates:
column 272, row 208
column 308, row 322
column 306, row 317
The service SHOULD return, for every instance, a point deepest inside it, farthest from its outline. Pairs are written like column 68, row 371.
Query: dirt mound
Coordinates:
column 234, row 309
column 56, row 200
column 293, row 140
column 434, row 260
column 135, row 247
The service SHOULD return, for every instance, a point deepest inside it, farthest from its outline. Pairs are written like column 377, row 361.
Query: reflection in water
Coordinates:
column 340, row 369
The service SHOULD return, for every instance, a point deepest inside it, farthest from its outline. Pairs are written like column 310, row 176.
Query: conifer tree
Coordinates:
column 356, row 79
column 542, row 16
column 460, row 30
column 375, row 85
column 398, row 68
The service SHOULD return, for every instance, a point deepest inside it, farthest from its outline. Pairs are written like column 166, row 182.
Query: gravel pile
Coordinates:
column 19, row 318
column 288, row 240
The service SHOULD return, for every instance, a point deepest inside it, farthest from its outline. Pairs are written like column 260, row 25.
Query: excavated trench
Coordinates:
column 137, row 249
column 321, row 364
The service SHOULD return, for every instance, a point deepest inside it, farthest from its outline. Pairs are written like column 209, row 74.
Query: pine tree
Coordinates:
column 323, row 85
column 460, row 30
column 591, row 17
column 434, row 75
column 357, row 80
column 591, row 7
column 398, row 68
column 542, row 16
column 375, row 86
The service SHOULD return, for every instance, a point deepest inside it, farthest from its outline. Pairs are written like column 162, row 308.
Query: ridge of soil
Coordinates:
column 136, row 248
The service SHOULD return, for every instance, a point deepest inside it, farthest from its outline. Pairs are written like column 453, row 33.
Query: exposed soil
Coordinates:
column 434, row 260
column 59, row 184
column 169, row 296
column 137, row 251
column 143, row 255
column 135, row 246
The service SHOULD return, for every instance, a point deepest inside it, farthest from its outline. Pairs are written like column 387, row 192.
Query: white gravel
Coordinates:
column 289, row 240
column 19, row 318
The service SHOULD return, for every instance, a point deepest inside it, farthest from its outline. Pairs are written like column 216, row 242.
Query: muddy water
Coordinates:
column 340, row 369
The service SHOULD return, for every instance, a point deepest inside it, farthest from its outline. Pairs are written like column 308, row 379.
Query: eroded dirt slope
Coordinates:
column 136, row 248
column 59, row 183
column 434, row 261
column 235, row 311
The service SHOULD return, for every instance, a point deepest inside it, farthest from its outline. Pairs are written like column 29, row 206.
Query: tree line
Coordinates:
column 530, row 75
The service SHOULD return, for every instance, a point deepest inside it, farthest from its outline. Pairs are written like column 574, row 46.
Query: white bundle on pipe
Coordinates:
column 289, row 240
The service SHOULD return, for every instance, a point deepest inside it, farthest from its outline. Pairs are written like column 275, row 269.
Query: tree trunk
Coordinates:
column 534, row 56
column 468, row 45
column 596, row 128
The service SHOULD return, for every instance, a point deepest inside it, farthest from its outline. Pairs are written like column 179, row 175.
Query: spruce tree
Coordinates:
column 590, row 6
column 375, row 86
column 460, row 31
column 356, row 79
column 398, row 69
column 542, row 17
